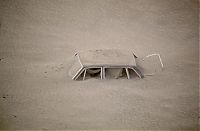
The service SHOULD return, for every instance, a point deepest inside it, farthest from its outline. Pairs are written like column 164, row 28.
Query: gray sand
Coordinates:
column 39, row 37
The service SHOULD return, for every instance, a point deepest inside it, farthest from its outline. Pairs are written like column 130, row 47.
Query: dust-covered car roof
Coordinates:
column 107, row 57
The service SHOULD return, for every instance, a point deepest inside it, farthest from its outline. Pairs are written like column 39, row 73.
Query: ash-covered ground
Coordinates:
column 39, row 37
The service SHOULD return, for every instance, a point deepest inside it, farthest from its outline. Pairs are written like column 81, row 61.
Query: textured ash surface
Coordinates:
column 38, row 38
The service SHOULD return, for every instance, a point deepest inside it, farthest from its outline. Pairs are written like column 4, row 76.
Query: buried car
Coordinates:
column 99, row 62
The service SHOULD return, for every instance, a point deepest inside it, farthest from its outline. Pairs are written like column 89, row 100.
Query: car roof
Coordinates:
column 106, row 57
